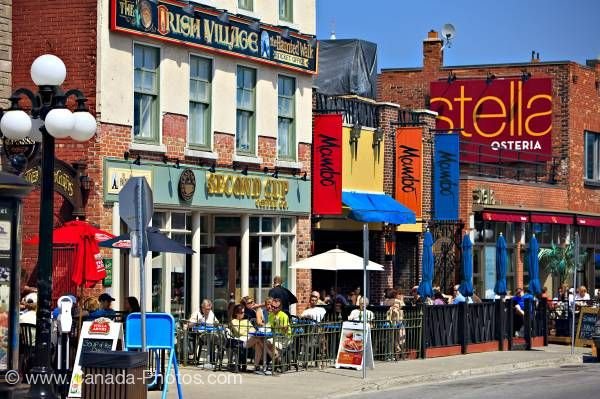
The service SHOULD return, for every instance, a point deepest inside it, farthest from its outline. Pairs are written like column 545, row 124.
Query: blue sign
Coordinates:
column 445, row 176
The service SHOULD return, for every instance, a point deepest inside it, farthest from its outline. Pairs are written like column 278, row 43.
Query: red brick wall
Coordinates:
column 67, row 29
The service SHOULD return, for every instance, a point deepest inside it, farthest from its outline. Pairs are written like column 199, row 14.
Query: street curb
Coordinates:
column 402, row 381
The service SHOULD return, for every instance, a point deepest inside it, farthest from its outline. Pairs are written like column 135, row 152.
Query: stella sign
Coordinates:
column 499, row 119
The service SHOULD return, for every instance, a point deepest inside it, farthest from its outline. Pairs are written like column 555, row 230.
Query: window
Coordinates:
column 246, row 5
column 592, row 156
column 146, row 82
column 200, row 91
column 286, row 145
column 285, row 10
column 246, row 104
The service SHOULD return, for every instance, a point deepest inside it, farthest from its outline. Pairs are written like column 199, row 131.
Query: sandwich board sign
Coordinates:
column 354, row 351
column 100, row 335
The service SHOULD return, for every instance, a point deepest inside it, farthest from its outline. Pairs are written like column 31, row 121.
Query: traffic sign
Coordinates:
column 136, row 203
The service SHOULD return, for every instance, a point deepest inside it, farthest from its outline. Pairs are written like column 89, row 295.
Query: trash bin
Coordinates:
column 114, row 375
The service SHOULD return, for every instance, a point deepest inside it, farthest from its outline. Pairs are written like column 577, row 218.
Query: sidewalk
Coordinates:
column 332, row 383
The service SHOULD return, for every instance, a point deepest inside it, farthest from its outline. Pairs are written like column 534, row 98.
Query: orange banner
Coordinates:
column 409, row 170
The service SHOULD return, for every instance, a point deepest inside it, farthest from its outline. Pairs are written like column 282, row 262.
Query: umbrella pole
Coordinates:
column 364, row 306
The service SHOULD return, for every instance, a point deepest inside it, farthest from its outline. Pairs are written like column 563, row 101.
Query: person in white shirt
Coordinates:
column 205, row 315
column 313, row 311
column 29, row 316
column 582, row 294
column 356, row 314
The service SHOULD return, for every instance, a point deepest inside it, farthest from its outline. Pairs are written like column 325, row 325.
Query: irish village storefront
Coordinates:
column 242, row 227
column 528, row 162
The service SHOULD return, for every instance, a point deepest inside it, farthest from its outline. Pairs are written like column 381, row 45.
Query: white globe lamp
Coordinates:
column 84, row 126
column 15, row 124
column 48, row 70
column 59, row 122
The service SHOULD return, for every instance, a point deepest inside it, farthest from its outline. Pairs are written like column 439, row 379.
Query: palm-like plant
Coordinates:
column 560, row 261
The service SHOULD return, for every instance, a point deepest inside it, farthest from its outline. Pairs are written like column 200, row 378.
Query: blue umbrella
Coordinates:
column 157, row 242
column 534, row 267
column 466, row 285
column 425, row 289
column 501, row 266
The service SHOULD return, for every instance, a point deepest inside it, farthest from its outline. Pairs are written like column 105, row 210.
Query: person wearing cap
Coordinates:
column 105, row 307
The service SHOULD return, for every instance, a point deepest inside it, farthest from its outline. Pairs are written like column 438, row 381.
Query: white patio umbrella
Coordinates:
column 335, row 260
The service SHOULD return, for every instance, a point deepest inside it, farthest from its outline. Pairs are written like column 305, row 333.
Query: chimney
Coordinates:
column 433, row 57
column 535, row 57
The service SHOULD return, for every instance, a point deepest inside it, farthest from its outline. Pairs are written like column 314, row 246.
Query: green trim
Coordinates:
column 165, row 182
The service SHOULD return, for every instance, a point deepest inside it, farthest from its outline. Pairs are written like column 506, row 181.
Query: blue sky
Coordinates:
column 486, row 31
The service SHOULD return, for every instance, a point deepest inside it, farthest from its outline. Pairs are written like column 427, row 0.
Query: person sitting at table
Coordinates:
column 249, row 307
column 241, row 330
column 205, row 315
column 319, row 301
column 357, row 314
column 132, row 305
column 314, row 312
column 105, row 309
column 280, row 326
column 582, row 295
column 262, row 312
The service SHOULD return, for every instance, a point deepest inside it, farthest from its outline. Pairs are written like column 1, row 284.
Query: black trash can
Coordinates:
column 114, row 375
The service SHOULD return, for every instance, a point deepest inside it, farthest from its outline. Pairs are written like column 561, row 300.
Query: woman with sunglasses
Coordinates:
column 241, row 330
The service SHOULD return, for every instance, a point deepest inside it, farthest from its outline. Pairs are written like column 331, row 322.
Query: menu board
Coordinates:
column 586, row 326
column 100, row 335
column 355, row 349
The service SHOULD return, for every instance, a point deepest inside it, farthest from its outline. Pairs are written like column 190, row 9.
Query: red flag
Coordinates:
column 327, row 165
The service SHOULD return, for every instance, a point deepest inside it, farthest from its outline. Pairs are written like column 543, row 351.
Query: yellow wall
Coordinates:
column 363, row 170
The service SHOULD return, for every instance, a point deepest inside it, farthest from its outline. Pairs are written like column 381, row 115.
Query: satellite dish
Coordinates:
column 448, row 31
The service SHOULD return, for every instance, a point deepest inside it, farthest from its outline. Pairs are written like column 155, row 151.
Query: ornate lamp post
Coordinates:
column 50, row 117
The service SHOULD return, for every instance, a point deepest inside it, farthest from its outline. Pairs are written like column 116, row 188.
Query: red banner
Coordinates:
column 502, row 119
column 409, row 155
column 327, row 165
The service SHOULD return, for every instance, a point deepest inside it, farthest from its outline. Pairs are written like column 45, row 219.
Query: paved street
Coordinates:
column 332, row 383
column 574, row 381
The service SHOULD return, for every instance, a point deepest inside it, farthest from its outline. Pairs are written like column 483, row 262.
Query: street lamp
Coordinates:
column 49, row 116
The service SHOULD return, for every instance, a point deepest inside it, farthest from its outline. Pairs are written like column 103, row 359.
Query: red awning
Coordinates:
column 549, row 218
column 505, row 217
column 588, row 221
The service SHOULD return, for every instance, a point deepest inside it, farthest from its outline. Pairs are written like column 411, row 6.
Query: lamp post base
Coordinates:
column 43, row 386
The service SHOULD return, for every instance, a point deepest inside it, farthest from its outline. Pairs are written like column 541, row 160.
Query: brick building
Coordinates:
column 211, row 103
column 548, row 186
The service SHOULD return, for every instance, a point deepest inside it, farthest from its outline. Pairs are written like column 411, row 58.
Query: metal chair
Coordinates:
column 26, row 346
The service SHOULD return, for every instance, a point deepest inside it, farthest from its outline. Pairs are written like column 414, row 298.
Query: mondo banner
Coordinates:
column 327, row 165
column 446, row 176
column 409, row 153
column 501, row 119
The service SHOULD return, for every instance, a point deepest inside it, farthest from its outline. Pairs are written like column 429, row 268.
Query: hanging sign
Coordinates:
column 445, row 176
column 327, row 165
column 355, row 350
column 409, row 153
column 204, row 29
column 502, row 119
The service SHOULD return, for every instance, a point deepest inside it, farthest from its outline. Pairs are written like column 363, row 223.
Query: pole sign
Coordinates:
column 327, row 165
column 204, row 29
column 445, row 176
column 502, row 119
column 409, row 153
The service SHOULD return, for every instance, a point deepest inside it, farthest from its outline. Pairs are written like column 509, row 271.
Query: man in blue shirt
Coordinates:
column 457, row 297
column 105, row 307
